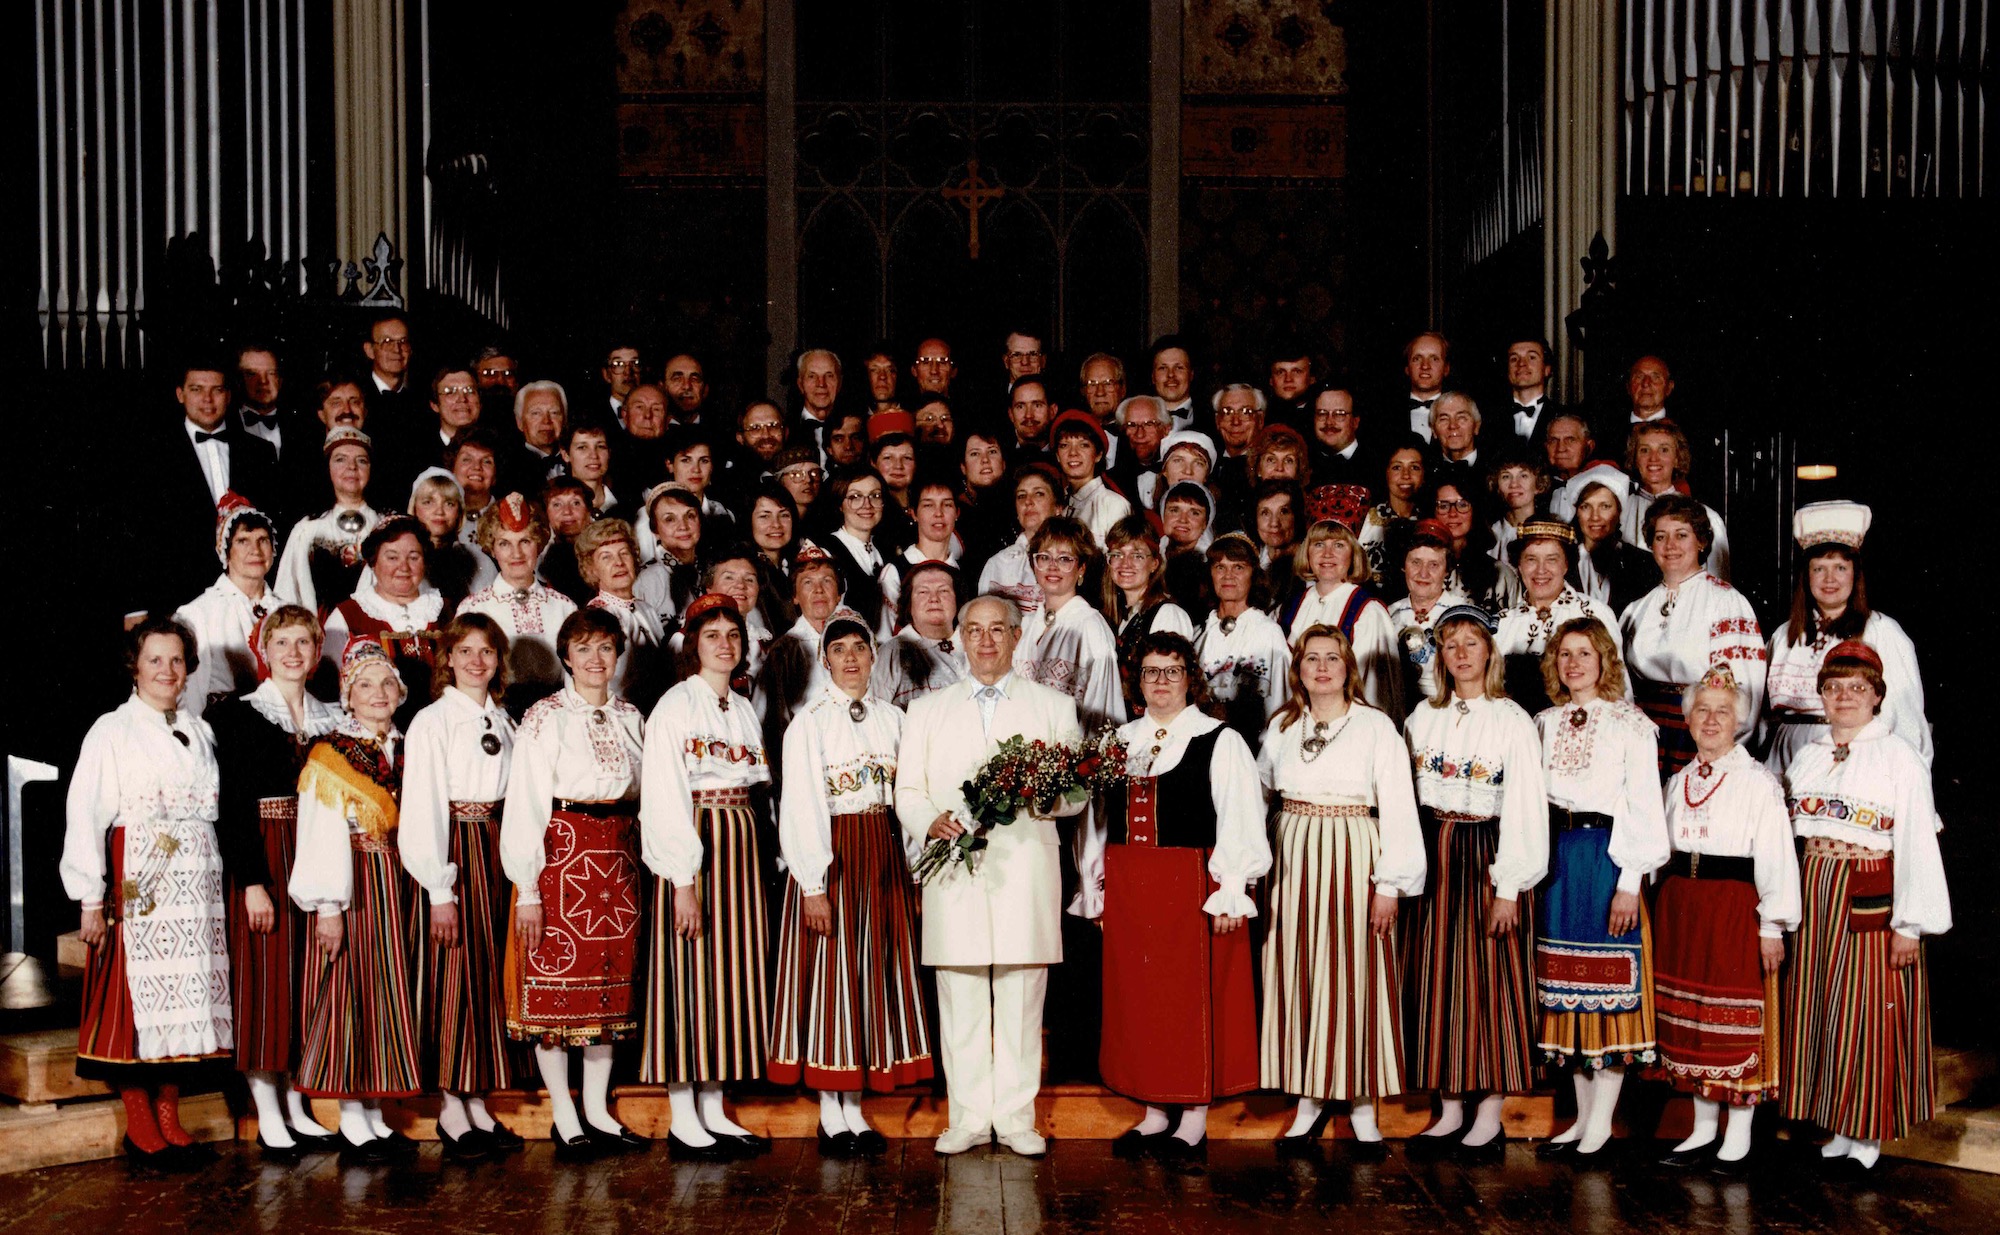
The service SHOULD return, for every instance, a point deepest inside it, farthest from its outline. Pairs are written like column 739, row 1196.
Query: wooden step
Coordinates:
column 1967, row 1137
column 1960, row 1073
column 41, row 1067
column 45, row 1135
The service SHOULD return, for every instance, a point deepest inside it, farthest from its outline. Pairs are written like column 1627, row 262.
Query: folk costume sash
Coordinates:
column 350, row 775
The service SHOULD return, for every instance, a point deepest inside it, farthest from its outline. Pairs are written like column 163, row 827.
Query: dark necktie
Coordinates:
column 201, row 438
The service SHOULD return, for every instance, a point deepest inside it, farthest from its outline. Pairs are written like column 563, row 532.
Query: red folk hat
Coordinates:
column 230, row 511
column 515, row 514
column 810, row 554
column 1082, row 422
column 1346, row 505
column 708, row 603
column 1853, row 651
column 882, row 424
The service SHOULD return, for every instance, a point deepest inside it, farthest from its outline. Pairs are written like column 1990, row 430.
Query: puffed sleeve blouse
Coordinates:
column 1482, row 757
column 566, row 748
column 834, row 765
column 1603, row 757
column 693, row 742
column 1365, row 763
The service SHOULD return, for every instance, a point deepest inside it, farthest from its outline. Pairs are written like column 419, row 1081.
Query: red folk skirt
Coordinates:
column 265, row 969
column 1180, row 1003
column 358, row 1020
column 576, row 989
column 849, row 1009
column 467, row 1022
column 1716, row 1009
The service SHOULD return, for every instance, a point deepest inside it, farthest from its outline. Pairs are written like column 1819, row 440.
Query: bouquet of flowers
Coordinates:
column 1024, row 776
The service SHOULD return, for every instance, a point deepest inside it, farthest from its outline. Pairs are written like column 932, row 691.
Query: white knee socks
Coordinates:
column 375, row 1120
column 270, row 1109
column 1302, row 1120
column 1486, row 1124
column 1153, row 1123
column 1707, row 1114
column 1736, row 1134
column 850, row 1111
column 1451, row 1117
column 832, row 1119
column 301, row 1113
column 686, row 1125
column 713, row 1117
column 597, row 1088
column 476, row 1108
column 1194, row 1125
column 1361, row 1113
column 553, row 1063
column 451, row 1115
column 1603, row 1104
column 354, row 1126
column 1581, row 1081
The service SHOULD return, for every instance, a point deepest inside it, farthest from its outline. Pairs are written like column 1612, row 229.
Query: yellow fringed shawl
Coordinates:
column 337, row 784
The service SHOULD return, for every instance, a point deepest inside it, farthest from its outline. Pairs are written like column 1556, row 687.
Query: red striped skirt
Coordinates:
column 1661, row 702
column 1333, row 1014
column 468, row 1023
column 358, row 1020
column 1470, row 998
column 264, row 970
column 1716, row 1009
column 1859, row 1062
column 576, row 989
column 708, row 1009
column 107, row 1041
column 849, row 1011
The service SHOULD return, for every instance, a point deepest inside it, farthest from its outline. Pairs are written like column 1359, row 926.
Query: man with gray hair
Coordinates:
column 819, row 386
column 1238, row 409
column 1142, row 425
column 541, row 414
column 991, row 934
column 1455, row 424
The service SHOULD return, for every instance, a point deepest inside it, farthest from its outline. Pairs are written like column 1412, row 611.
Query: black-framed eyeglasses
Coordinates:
column 1162, row 673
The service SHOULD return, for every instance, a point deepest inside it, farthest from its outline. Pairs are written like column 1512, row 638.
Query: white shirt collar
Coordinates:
column 1004, row 685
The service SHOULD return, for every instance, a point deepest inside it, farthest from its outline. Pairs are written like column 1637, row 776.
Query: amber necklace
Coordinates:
column 1703, row 771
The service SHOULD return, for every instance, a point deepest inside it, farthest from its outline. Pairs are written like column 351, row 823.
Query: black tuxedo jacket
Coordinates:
column 169, row 527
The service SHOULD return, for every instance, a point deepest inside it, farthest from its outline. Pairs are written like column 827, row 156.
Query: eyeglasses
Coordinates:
column 1128, row 555
column 774, row 426
column 1162, row 673
column 458, row 390
column 938, row 361
column 1237, row 412
column 1453, row 507
column 496, row 373
column 621, row 365
column 865, row 499
column 1100, row 383
column 1064, row 560
column 1023, row 355
column 1332, row 414
column 935, row 418
column 394, row 345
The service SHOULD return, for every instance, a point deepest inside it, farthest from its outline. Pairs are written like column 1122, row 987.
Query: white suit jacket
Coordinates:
column 1010, row 912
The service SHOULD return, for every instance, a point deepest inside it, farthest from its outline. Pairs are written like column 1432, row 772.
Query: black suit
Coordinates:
column 169, row 538
column 1329, row 468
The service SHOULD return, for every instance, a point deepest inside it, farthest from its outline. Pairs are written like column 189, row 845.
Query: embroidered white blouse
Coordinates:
column 531, row 617
column 1073, row 650
column 1604, row 757
column 1375, row 651
column 643, row 629
column 693, row 743
column 1009, row 573
column 1879, row 797
column 1793, row 686
column 1098, row 507
column 1417, row 639
column 445, row 760
column 1524, row 631
column 131, row 769
column 1672, row 635
column 222, row 618
column 1482, row 757
column 293, row 577
column 1251, row 656
column 835, row 765
column 569, row 748
column 1738, row 811
column 892, row 680
column 1364, row 763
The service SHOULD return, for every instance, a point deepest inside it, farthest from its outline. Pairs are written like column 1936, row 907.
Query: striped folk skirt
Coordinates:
column 576, row 989
column 1859, row 1062
column 467, row 1023
column 1661, row 702
column 1468, row 996
column 264, row 969
column 1333, row 1014
column 1718, row 1009
column 1595, row 989
column 849, row 1010
column 358, row 1017
column 708, row 1009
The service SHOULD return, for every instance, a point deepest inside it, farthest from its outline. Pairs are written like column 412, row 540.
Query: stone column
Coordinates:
column 1580, row 148
column 370, row 127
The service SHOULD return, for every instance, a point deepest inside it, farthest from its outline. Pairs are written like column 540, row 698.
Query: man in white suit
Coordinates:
column 991, row 934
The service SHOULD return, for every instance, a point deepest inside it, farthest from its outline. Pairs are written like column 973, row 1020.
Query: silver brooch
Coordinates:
column 855, row 710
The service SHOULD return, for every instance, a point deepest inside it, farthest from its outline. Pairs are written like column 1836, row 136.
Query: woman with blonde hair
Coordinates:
column 1066, row 643
column 1348, row 847
column 1333, row 570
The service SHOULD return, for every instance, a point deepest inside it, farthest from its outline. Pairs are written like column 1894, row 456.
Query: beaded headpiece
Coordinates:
column 1346, row 505
column 233, row 510
column 708, row 603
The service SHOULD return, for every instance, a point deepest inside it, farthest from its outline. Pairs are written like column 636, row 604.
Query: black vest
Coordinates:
column 1189, row 822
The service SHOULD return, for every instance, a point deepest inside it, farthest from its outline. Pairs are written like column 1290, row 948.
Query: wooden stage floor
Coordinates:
column 1078, row 1188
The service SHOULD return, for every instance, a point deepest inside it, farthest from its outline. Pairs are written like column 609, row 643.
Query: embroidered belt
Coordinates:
column 1452, row 816
column 1562, row 819
column 1828, row 847
column 1712, row 866
column 722, row 797
column 278, row 810
column 362, row 842
column 617, row 809
column 474, row 812
column 1316, row 810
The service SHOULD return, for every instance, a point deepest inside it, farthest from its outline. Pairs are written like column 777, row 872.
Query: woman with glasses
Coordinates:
column 1476, row 573
column 1135, row 591
column 860, row 499
column 1067, row 644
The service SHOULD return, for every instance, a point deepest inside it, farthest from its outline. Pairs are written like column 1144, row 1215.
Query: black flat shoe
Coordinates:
column 838, row 1144
column 281, row 1153
column 398, row 1145
column 471, row 1147
column 316, row 1142
column 623, row 1141
column 166, row 1159
column 872, row 1143
column 1555, row 1151
column 748, row 1144
column 1422, row 1148
column 1172, row 1149
column 723, row 1150
column 500, row 1139
column 1292, row 1146
column 579, row 1148
column 1681, row 1159
column 1491, row 1152
column 1133, row 1143
column 1739, row 1169
column 367, row 1153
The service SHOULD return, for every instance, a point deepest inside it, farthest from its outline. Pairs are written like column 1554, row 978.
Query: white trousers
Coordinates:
column 990, row 1040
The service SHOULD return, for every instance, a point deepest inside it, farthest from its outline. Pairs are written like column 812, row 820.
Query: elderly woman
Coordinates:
column 1607, row 567
column 1730, row 892
column 513, row 533
column 1011, row 572
column 673, row 577
column 223, row 617
column 1245, row 657
column 849, row 1009
column 394, row 606
column 1544, row 560
column 1348, row 846
column 1857, row 997
column 708, row 1010
column 1169, row 881
column 1334, row 568
column 1277, row 507
column 1691, row 621
column 1278, row 452
column 1066, row 644
column 1479, row 785
column 454, row 568
column 141, row 855
column 322, row 560
column 1658, row 459
column 456, row 764
column 358, row 1016
column 607, row 555
column 261, row 740
column 1830, row 605
column 569, row 842
column 1427, row 597
column 924, row 656
column 1593, row 968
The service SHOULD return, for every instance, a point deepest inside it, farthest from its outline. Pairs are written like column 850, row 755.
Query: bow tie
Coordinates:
column 1416, row 403
column 260, row 418
column 202, row 439
column 1524, row 418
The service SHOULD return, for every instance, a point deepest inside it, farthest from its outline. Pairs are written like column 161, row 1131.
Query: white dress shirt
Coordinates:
column 214, row 456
